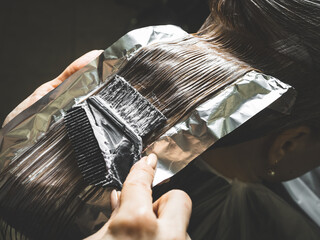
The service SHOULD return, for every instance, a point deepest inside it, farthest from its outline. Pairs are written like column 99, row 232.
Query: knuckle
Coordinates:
column 133, row 225
column 142, row 218
column 138, row 183
column 121, row 226
column 139, row 173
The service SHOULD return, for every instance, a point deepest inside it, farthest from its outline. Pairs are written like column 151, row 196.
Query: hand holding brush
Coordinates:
column 136, row 217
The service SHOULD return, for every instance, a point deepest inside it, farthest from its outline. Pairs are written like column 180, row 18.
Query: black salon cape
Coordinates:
column 237, row 210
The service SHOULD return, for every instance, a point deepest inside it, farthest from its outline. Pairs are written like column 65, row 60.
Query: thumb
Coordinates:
column 75, row 66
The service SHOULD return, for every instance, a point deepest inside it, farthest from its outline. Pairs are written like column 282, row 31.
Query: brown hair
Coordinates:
column 280, row 38
column 42, row 190
column 238, row 36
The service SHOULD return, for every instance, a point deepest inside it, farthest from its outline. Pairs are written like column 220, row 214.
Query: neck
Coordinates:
column 242, row 161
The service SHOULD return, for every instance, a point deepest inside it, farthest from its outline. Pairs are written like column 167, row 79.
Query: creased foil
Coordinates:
column 217, row 117
column 24, row 130
column 210, row 121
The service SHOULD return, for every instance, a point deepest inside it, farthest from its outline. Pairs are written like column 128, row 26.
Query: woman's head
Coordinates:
column 290, row 28
column 280, row 38
column 175, row 77
column 43, row 191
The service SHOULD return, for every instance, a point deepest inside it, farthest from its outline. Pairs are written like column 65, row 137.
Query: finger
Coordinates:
column 135, row 208
column 174, row 209
column 76, row 65
column 48, row 86
column 71, row 69
column 115, row 199
column 136, row 195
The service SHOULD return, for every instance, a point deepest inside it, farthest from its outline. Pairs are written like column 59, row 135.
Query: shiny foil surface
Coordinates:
column 215, row 118
column 210, row 121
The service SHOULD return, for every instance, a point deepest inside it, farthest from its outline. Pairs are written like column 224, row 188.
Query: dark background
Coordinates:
column 39, row 38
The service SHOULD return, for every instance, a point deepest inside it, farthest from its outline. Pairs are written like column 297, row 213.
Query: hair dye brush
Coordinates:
column 106, row 132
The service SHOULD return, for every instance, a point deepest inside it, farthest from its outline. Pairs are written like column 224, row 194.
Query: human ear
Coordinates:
column 287, row 142
column 285, row 146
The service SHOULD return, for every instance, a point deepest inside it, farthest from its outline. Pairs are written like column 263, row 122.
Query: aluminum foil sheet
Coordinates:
column 24, row 130
column 210, row 121
column 217, row 117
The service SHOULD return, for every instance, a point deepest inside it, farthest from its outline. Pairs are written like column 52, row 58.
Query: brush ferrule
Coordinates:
column 108, row 112
column 106, row 132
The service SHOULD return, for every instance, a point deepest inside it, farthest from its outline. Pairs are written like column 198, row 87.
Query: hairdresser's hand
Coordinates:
column 48, row 86
column 136, row 217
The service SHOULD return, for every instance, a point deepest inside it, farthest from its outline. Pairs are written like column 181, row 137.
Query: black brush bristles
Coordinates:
column 86, row 148
column 107, row 143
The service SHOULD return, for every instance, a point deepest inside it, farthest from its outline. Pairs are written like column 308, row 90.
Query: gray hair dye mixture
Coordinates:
column 276, row 37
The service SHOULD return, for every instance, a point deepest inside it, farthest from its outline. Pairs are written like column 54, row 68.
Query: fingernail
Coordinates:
column 152, row 160
column 114, row 199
